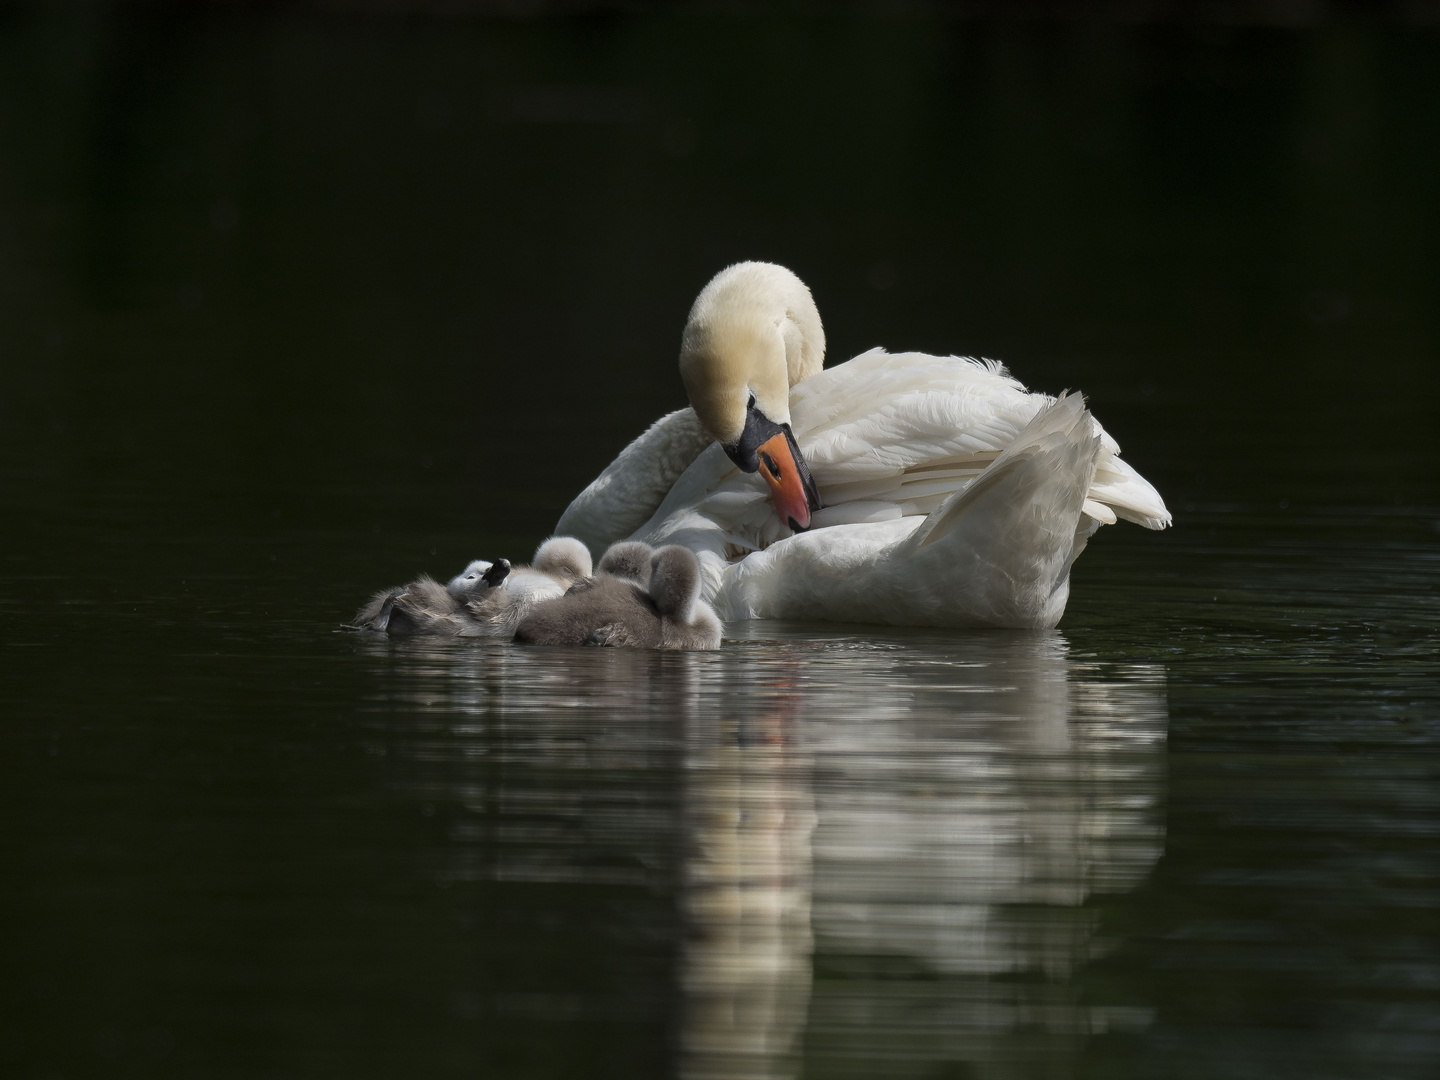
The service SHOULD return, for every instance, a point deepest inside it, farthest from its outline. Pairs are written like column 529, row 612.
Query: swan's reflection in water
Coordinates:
column 967, row 809
column 868, row 852
column 748, row 884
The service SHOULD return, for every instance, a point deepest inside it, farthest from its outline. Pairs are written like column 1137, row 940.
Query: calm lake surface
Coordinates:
column 296, row 305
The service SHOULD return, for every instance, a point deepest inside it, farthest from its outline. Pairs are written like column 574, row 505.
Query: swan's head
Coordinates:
column 675, row 582
column 753, row 333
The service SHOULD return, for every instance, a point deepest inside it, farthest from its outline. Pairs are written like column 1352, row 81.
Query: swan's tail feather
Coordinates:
column 1128, row 494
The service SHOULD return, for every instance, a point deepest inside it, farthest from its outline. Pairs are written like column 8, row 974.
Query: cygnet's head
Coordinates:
column 675, row 582
column 629, row 559
column 477, row 578
column 564, row 557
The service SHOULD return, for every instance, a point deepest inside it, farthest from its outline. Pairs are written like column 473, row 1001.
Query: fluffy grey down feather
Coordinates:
column 613, row 608
column 612, row 611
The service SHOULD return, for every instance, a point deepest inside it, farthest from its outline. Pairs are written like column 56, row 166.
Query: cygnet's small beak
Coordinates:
column 791, row 488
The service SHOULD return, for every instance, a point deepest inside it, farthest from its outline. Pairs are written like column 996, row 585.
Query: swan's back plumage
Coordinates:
column 903, row 409
column 887, row 436
column 904, row 430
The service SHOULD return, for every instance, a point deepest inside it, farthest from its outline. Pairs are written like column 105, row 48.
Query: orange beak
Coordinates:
column 782, row 472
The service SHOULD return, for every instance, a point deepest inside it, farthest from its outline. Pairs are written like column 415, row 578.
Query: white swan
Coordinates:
column 950, row 495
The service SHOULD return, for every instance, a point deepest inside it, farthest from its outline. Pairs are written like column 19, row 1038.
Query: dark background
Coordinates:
column 365, row 265
column 297, row 300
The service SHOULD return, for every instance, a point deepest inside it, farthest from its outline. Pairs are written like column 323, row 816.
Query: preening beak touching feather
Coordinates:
column 753, row 333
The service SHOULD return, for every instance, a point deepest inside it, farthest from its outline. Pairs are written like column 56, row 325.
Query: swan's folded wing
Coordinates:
column 890, row 433
column 906, row 429
column 891, row 411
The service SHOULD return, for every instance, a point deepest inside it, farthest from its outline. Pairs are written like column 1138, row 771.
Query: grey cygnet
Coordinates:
column 613, row 610
column 627, row 559
column 483, row 600
column 427, row 607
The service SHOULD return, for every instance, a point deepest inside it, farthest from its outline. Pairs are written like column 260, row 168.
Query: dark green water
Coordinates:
column 294, row 305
